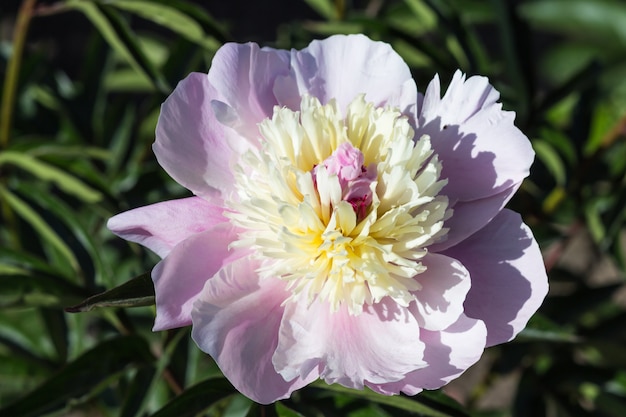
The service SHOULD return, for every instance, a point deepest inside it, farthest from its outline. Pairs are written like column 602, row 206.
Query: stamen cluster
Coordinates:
column 341, row 207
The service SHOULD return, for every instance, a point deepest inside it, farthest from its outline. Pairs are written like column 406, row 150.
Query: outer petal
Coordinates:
column 509, row 280
column 342, row 67
column 236, row 321
column 161, row 226
column 448, row 354
column 190, row 143
column 179, row 278
column 380, row 344
column 244, row 76
column 445, row 284
column 481, row 150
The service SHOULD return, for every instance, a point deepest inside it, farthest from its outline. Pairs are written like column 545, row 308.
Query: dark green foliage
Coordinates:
column 84, row 92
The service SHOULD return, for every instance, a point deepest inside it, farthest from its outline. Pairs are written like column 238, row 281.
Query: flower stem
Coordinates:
column 13, row 69
column 8, row 100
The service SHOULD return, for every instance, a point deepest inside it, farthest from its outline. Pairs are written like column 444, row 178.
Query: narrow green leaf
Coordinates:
column 171, row 18
column 325, row 8
column 19, row 289
column 82, row 376
column 65, row 151
column 127, row 80
column 197, row 398
column 51, row 204
column 239, row 406
column 211, row 26
column 594, row 220
column 27, row 262
column 119, row 36
column 551, row 159
column 425, row 15
column 50, row 173
column 516, row 53
column 137, row 292
column 284, row 411
column 580, row 80
column 38, row 223
column 137, row 392
column 56, row 327
column 425, row 405
column 600, row 20
column 533, row 335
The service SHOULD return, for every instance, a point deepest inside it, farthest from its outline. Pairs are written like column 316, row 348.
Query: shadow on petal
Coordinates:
column 508, row 276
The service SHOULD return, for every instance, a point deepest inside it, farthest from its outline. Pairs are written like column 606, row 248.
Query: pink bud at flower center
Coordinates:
column 354, row 178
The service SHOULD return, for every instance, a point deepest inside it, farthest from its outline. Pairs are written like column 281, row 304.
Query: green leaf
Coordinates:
column 12, row 259
column 325, row 8
column 427, row 404
column 119, row 36
column 533, row 335
column 137, row 392
column 137, row 292
column 171, row 18
column 284, row 411
column 600, row 20
column 551, row 159
column 52, row 204
column 29, row 343
column 127, row 80
column 424, row 14
column 238, row 406
column 197, row 398
column 593, row 216
column 211, row 26
column 50, row 173
column 82, row 376
column 515, row 47
column 69, row 151
column 56, row 326
column 38, row 223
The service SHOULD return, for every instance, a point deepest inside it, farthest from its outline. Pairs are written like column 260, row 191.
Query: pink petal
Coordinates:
column 343, row 67
column 448, row 354
column 470, row 216
column 179, row 278
column 445, row 284
column 509, row 280
column 236, row 321
column 482, row 152
column 244, row 76
column 161, row 226
column 381, row 344
column 190, row 143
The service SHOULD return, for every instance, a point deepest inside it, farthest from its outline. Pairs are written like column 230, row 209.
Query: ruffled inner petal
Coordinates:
column 448, row 354
column 380, row 344
column 236, row 321
column 444, row 285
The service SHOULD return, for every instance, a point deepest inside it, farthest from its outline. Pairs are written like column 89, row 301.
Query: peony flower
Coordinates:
column 343, row 226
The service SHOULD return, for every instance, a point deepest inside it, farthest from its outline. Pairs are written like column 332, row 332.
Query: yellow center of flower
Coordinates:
column 346, row 234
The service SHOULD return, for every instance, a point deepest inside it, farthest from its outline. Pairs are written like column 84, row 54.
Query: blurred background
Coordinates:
column 81, row 85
